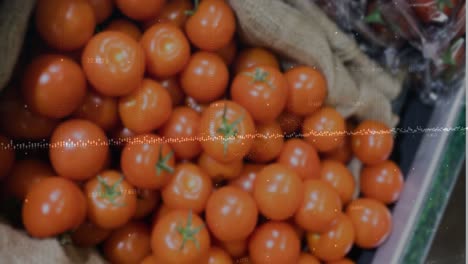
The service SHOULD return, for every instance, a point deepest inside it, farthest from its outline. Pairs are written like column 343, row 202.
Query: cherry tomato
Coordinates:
column 180, row 237
column 140, row 9
column 147, row 202
column 7, row 156
column 111, row 200
column 226, row 130
column 289, row 123
column 340, row 178
column 254, row 57
column 247, row 177
column 99, row 109
column 372, row 222
column 89, row 235
column 306, row 258
column 78, row 149
column 307, row 90
column 274, row 242
column 175, row 91
column 129, row 244
column 114, row 63
column 228, row 52
column 53, row 206
column 174, row 12
column 267, row 144
column 231, row 214
column 324, row 129
column 151, row 259
column 212, row 25
column 102, row 9
column 166, row 48
column 342, row 261
column 372, row 142
column 300, row 157
column 125, row 26
column 65, row 24
column 262, row 90
column 217, row 255
column 181, row 132
column 335, row 243
column 160, row 212
column 235, row 249
column 382, row 182
column 147, row 108
column 278, row 191
column 320, row 207
column 432, row 10
column 205, row 78
column 53, row 86
column 147, row 162
column 189, row 188
column 219, row 171
column 342, row 153
column 192, row 103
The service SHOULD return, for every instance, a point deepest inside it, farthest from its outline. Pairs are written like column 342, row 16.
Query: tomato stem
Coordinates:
column 188, row 232
column 375, row 17
column 228, row 130
column 192, row 12
column 260, row 75
column 162, row 162
column 110, row 192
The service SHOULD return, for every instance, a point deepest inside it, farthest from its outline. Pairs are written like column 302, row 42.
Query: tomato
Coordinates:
column 278, row 191
column 335, row 243
column 383, row 182
column 192, row 103
column 254, row 57
column 181, row 132
column 342, row 261
column 160, row 212
column 289, row 123
column 7, row 156
column 372, row 142
column 372, row 222
column 205, row 78
column 225, row 130
column 99, row 109
column 53, row 206
column 65, row 24
column 247, row 177
column 217, row 255
column 340, row 178
column 300, row 157
column 219, row 171
column 306, row 258
column 147, row 162
column 307, row 90
column 228, row 52
column 342, row 153
column 53, row 86
column 146, row 108
column 112, row 201
column 173, row 11
column 267, row 144
column 433, row 10
column 25, row 174
column 274, row 242
column 235, row 249
column 129, row 244
column 140, row 9
column 262, row 90
column 125, row 26
column 320, row 207
column 89, row 235
column 102, row 9
column 231, row 214
column 78, row 149
column 212, row 25
column 175, row 91
column 147, row 202
column 325, row 129
column 114, row 63
column 151, row 259
column 189, row 188
column 167, row 50
column 180, row 237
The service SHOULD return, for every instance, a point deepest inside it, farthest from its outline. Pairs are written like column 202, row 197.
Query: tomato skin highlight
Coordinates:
column 383, row 182
column 246, row 178
column 300, row 157
column 340, row 178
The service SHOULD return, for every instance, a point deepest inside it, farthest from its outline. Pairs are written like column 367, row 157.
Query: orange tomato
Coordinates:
column 340, row 178
column 383, row 182
column 253, row 57
column 126, row 27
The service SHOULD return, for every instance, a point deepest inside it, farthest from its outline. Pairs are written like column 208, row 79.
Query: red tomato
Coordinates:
column 254, row 57
column 228, row 52
column 372, row 142
column 140, row 9
column 78, row 149
column 181, row 132
column 382, row 182
column 160, row 212
column 89, row 235
column 262, row 90
column 65, row 24
column 7, row 156
column 189, row 188
column 53, row 86
column 151, row 259
column 147, row 202
column 274, row 242
column 175, row 91
column 147, row 108
column 289, row 123
column 114, row 63
column 372, row 222
column 324, row 129
column 99, row 109
column 342, row 261
column 438, row 11
column 128, row 244
column 306, row 258
column 320, row 208
column 205, row 78
column 300, row 157
column 217, row 255
column 335, row 243
column 166, row 48
column 226, row 130
column 147, row 162
column 125, row 26
column 212, row 25
column 235, row 249
column 247, row 177
column 342, row 153
column 267, row 144
column 174, row 12
column 53, row 206
column 307, row 90
column 219, row 171
column 180, row 237
column 278, row 192
column 102, row 9
column 231, row 214
column 340, row 178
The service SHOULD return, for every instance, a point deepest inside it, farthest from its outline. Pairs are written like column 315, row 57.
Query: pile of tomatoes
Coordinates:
column 168, row 143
